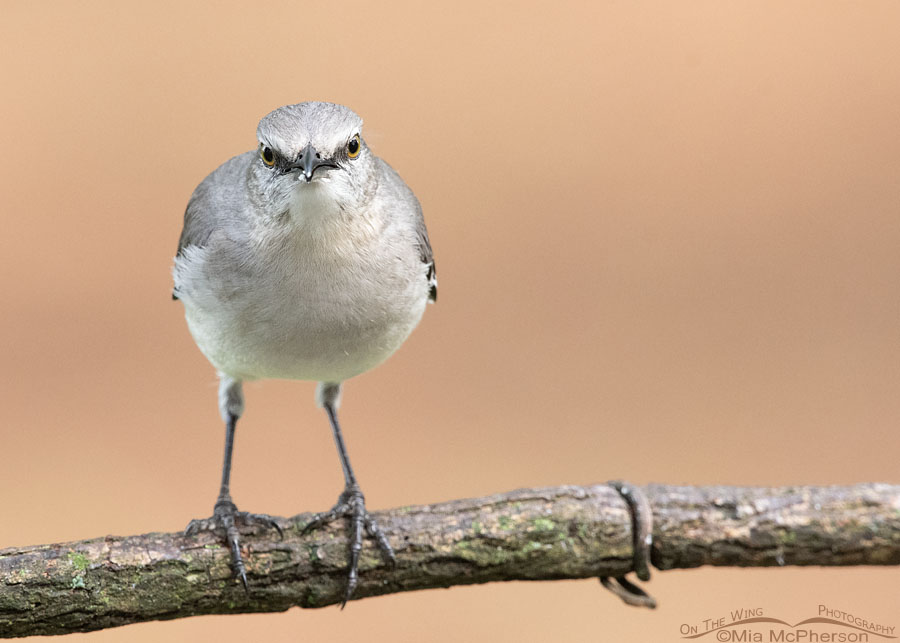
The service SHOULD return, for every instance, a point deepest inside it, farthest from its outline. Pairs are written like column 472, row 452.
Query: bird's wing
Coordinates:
column 198, row 224
column 213, row 204
column 426, row 253
column 396, row 190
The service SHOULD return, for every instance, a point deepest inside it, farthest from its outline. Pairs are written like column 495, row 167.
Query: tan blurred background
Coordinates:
column 668, row 243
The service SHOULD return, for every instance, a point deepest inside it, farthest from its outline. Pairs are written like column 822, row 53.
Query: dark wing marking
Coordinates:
column 426, row 254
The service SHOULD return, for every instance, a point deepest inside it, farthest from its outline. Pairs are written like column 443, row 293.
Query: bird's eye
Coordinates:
column 354, row 147
column 267, row 155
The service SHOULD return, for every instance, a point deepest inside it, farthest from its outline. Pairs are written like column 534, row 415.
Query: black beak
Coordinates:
column 309, row 161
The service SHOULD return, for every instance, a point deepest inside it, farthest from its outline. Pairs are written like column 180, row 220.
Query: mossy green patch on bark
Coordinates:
column 532, row 545
column 78, row 560
column 543, row 524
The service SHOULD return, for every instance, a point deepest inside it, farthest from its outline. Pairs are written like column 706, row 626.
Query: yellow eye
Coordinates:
column 354, row 147
column 267, row 155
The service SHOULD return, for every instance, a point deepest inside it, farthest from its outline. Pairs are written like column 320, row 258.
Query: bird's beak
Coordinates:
column 309, row 161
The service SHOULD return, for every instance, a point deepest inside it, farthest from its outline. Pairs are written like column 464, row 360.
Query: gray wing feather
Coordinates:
column 392, row 182
column 215, row 203
column 198, row 225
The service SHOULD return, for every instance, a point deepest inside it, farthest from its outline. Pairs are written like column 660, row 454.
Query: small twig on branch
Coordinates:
column 531, row 534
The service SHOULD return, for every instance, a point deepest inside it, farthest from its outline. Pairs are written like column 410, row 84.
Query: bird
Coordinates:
column 306, row 258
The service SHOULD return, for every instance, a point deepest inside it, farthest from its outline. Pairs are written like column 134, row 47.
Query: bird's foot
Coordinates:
column 227, row 518
column 352, row 504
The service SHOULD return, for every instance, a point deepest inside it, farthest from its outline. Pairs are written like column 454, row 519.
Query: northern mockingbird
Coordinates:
column 306, row 258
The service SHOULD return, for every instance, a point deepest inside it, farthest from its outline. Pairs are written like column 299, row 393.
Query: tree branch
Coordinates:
column 530, row 534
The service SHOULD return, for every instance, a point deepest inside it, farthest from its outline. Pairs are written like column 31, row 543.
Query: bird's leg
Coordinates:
column 226, row 516
column 351, row 503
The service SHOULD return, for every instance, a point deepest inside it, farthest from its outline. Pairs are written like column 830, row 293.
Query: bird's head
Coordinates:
column 312, row 153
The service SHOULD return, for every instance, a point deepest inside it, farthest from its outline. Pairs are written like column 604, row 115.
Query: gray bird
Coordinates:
column 306, row 259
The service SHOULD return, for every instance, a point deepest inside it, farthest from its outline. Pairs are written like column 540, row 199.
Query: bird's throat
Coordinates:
column 313, row 203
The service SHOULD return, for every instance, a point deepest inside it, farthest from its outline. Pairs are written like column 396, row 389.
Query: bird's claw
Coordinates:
column 227, row 518
column 352, row 504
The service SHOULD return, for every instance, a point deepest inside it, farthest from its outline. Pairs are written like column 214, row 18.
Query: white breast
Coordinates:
column 323, row 297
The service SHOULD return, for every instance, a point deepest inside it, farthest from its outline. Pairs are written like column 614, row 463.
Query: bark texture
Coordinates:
column 529, row 534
